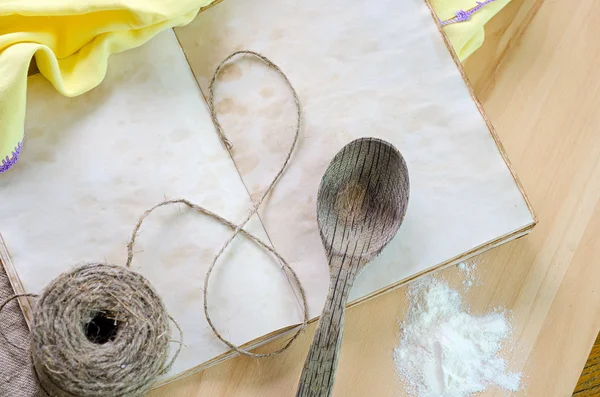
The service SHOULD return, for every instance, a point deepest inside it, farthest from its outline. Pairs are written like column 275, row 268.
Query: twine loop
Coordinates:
column 237, row 229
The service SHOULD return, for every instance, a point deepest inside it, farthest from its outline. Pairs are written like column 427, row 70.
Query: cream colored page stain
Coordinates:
column 362, row 68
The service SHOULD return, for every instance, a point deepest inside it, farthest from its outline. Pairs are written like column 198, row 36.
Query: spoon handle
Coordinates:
column 318, row 374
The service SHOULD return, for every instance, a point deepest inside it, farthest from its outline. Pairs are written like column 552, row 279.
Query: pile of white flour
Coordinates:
column 445, row 351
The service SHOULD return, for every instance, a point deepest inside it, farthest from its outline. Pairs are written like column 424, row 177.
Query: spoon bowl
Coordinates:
column 362, row 198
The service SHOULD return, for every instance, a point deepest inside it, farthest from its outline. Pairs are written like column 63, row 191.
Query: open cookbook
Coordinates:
column 91, row 165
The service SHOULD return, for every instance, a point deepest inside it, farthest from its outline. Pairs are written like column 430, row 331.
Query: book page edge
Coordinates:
column 287, row 330
column 26, row 306
column 15, row 282
column 489, row 124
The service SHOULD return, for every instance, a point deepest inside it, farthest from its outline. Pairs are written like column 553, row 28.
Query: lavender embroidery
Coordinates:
column 462, row 15
column 8, row 162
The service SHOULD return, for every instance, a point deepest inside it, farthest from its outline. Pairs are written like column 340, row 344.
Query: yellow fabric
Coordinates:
column 467, row 36
column 71, row 42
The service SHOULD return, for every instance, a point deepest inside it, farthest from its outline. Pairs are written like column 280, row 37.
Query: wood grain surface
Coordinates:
column 589, row 381
column 537, row 76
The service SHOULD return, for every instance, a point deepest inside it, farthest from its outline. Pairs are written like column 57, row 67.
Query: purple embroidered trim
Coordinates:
column 8, row 162
column 462, row 15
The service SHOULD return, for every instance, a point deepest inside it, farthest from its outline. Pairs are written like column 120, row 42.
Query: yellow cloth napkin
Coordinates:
column 72, row 40
column 467, row 36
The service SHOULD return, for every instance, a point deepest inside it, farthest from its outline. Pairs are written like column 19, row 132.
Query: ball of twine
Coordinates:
column 99, row 330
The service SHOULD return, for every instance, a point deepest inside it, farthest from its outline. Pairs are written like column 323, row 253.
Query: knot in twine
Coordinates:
column 70, row 355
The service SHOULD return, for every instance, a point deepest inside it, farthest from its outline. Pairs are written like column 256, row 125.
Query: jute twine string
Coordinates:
column 70, row 364
column 237, row 229
column 2, row 306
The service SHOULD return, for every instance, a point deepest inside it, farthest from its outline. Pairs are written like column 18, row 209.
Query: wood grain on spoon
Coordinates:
column 360, row 206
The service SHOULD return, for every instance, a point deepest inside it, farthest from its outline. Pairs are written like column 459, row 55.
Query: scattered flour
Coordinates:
column 467, row 269
column 446, row 352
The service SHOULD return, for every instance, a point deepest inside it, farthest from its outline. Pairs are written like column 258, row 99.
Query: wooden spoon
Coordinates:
column 360, row 206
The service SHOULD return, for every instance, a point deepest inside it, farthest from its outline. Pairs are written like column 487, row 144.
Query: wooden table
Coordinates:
column 538, row 77
column 589, row 381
